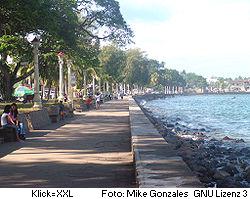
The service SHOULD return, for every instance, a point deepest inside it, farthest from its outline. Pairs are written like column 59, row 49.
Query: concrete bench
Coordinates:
column 69, row 112
column 53, row 112
column 39, row 119
column 80, row 107
column 23, row 118
column 1, row 140
column 8, row 135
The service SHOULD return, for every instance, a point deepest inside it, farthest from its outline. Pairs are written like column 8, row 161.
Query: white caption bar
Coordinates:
column 102, row 193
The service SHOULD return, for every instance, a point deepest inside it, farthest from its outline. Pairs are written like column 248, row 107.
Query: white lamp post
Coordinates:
column 85, row 83
column 70, row 92
column 60, row 61
column 93, row 84
column 37, row 98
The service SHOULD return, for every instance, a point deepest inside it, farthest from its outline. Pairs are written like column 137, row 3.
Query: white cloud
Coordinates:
column 203, row 36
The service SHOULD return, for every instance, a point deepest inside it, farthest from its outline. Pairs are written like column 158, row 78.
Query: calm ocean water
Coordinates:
column 221, row 115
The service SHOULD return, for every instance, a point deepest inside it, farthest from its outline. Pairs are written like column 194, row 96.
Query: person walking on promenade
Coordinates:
column 98, row 100
column 7, row 122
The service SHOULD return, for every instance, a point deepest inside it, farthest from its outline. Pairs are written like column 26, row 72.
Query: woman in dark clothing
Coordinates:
column 13, row 113
column 20, row 127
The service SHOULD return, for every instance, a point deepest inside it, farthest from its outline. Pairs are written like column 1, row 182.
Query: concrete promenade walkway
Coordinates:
column 92, row 150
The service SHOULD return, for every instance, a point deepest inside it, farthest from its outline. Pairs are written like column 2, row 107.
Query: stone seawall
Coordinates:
column 149, row 97
column 157, row 163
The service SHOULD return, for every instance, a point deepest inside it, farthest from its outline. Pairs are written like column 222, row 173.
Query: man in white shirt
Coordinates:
column 97, row 100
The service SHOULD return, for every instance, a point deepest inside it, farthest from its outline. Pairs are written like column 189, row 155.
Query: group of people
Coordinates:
column 9, row 120
column 89, row 101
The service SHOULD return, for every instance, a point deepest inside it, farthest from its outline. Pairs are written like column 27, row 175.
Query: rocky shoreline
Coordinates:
column 220, row 163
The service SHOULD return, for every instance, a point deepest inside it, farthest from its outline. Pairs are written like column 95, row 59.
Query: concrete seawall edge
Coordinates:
column 157, row 164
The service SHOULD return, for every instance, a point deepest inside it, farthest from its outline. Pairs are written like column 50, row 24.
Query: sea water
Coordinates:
column 220, row 115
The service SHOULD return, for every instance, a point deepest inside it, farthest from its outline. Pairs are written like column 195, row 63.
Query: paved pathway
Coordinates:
column 93, row 150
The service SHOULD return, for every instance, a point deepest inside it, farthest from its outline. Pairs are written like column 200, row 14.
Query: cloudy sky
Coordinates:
column 208, row 37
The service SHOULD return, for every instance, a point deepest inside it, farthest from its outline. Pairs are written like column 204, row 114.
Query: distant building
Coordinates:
column 240, row 85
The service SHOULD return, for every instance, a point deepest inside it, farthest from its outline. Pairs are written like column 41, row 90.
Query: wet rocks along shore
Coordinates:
column 217, row 162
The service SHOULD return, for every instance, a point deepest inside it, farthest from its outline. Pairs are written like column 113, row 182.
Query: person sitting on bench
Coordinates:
column 20, row 127
column 7, row 122
column 88, row 102
column 61, row 110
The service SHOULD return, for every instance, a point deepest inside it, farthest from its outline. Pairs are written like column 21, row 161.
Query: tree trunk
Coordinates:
column 49, row 90
column 7, row 87
column 100, row 85
column 43, row 90
column 56, row 92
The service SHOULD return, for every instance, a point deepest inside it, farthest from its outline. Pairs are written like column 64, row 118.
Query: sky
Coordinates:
column 208, row 37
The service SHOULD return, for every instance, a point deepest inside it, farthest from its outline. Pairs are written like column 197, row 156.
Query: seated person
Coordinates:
column 20, row 127
column 7, row 122
column 61, row 110
column 88, row 102
column 13, row 113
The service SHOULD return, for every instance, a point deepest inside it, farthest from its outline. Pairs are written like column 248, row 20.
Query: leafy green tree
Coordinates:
column 136, row 70
column 59, row 18
column 154, row 78
column 104, row 15
column 154, row 67
column 85, row 59
column 74, row 26
column 195, row 81
column 170, row 77
column 113, row 61
column 221, row 83
column 18, row 19
column 13, row 50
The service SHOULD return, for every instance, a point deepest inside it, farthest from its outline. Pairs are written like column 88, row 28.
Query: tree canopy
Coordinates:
column 77, row 28
column 72, row 26
column 194, row 81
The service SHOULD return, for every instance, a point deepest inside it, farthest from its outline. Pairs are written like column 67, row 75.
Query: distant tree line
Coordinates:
column 134, row 67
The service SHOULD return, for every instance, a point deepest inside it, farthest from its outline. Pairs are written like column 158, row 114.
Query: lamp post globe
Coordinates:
column 37, row 99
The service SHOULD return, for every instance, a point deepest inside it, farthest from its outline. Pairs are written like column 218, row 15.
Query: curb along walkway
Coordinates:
column 94, row 150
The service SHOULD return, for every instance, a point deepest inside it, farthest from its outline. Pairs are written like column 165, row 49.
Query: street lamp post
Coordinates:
column 60, row 61
column 85, row 83
column 100, row 85
column 70, row 92
column 93, row 84
column 37, row 98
